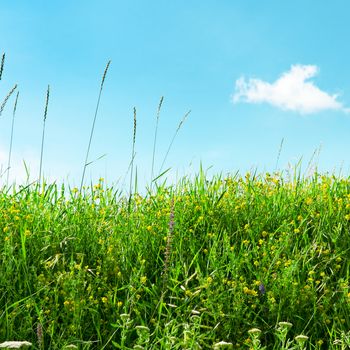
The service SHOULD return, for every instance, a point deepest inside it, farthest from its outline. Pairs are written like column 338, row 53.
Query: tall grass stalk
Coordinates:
column 279, row 153
column 2, row 107
column 2, row 65
column 11, row 139
column 43, row 133
column 155, row 137
column 132, row 157
column 93, row 125
column 172, row 140
column 168, row 247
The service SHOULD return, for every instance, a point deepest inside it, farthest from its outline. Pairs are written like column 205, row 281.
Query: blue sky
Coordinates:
column 251, row 72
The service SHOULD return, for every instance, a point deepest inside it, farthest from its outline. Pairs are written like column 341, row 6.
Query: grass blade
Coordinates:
column 279, row 153
column 11, row 139
column 172, row 140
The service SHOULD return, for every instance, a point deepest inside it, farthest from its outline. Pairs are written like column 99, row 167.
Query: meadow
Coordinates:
column 253, row 261
column 195, row 265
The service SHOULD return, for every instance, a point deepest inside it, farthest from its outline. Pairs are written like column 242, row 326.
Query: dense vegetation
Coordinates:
column 230, row 262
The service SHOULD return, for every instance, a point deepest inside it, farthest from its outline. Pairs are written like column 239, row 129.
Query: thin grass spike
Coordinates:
column 7, row 98
column 93, row 125
column 172, row 140
column 132, row 156
column 43, row 134
column 155, row 137
column 279, row 153
column 2, row 65
column 11, row 139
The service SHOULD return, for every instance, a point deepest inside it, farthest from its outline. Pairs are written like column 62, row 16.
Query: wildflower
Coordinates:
column 143, row 279
column 288, row 263
column 104, row 300
column 14, row 344
column 254, row 331
column 223, row 345
column 248, row 291
column 309, row 201
column 188, row 293
column 119, row 303
column 301, row 339
column 262, row 289
column 124, row 317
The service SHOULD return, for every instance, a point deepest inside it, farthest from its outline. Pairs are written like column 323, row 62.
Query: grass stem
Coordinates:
column 172, row 140
column 155, row 137
column 132, row 157
column 43, row 133
column 93, row 125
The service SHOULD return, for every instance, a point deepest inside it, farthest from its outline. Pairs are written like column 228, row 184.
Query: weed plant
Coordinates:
column 257, row 262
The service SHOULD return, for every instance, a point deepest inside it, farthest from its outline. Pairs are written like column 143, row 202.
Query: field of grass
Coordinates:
column 242, row 262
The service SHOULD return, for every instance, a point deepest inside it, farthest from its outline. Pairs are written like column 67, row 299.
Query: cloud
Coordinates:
column 291, row 91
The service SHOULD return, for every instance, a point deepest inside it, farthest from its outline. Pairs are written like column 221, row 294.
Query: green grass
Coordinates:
column 83, row 269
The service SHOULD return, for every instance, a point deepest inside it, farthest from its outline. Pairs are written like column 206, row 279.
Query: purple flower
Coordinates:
column 262, row 289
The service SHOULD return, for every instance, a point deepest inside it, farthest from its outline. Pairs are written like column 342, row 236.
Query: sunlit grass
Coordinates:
column 244, row 253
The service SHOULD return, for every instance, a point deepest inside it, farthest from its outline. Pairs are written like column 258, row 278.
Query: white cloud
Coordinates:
column 291, row 91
